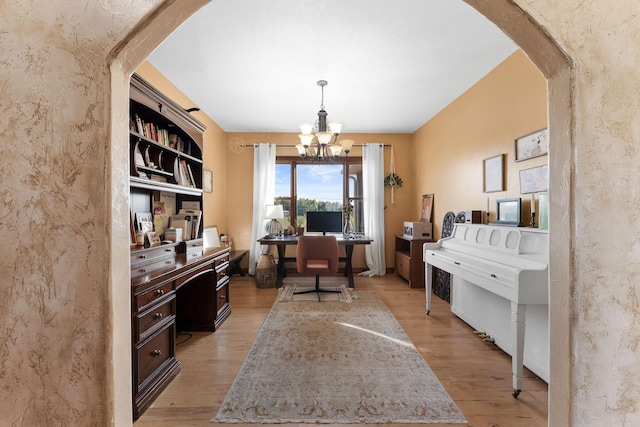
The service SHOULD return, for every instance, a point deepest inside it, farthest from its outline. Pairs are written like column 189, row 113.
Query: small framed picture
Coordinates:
column 535, row 144
column 427, row 207
column 154, row 238
column 534, row 180
column 145, row 227
column 207, row 181
column 132, row 232
column 493, row 174
column 143, row 217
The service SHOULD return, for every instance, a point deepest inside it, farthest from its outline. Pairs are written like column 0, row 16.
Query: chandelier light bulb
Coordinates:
column 335, row 127
column 305, row 139
column 306, row 128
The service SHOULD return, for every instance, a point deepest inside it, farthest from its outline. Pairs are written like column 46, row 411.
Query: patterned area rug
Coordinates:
column 330, row 362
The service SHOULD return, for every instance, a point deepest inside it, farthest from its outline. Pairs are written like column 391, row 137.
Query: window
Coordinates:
column 302, row 186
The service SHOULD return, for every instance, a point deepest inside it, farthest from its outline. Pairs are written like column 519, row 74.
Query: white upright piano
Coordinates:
column 499, row 273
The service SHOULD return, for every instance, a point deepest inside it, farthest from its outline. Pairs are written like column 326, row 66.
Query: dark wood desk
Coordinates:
column 282, row 242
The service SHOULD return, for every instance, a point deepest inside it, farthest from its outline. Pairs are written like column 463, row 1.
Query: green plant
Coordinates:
column 392, row 180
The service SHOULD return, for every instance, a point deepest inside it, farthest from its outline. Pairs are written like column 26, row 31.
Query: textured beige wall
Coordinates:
column 63, row 210
column 449, row 150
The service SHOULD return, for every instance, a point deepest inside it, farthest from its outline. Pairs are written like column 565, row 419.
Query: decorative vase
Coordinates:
column 349, row 227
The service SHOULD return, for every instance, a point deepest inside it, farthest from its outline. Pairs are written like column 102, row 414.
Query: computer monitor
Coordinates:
column 324, row 221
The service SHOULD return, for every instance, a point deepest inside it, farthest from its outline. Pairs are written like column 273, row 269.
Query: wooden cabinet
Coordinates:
column 409, row 264
column 174, row 286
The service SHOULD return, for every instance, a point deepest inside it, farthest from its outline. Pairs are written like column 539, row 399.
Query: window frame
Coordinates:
column 293, row 194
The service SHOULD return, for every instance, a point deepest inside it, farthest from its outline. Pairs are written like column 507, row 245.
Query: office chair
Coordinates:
column 317, row 255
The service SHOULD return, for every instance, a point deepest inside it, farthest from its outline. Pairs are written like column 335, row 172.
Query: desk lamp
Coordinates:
column 274, row 213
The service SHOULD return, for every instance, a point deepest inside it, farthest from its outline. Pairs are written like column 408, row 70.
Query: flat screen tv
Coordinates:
column 324, row 222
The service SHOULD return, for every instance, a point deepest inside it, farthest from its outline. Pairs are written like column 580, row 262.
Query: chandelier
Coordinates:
column 325, row 136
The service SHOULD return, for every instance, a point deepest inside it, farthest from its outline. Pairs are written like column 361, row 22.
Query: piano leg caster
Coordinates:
column 428, row 311
column 515, row 393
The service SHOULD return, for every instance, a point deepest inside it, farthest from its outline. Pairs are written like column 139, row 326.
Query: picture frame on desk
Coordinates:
column 132, row 232
column 154, row 238
column 143, row 217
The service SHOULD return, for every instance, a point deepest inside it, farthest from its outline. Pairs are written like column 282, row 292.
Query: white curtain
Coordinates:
column 373, row 201
column 264, row 188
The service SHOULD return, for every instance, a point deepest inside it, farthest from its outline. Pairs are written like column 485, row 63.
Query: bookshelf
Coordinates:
column 175, row 286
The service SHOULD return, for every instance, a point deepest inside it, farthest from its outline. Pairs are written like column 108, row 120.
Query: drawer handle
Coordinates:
column 142, row 270
column 159, row 292
column 168, row 262
column 494, row 276
column 167, row 250
column 158, row 316
column 456, row 262
column 142, row 256
column 156, row 353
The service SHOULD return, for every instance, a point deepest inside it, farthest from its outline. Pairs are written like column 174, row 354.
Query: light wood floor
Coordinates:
column 476, row 374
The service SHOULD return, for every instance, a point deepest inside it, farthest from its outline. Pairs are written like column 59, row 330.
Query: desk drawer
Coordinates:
column 151, row 295
column 193, row 248
column 151, row 255
column 149, row 268
column 154, row 353
column 152, row 319
column 221, row 259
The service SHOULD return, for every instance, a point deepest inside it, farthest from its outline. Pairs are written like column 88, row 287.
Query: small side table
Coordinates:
column 234, row 262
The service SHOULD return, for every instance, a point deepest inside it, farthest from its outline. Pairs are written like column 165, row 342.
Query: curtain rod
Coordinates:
column 293, row 146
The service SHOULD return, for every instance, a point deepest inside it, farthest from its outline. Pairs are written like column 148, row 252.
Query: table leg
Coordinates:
column 282, row 271
column 348, row 269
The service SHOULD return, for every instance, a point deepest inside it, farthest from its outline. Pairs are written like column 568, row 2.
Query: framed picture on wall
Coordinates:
column 207, row 180
column 493, row 174
column 534, row 180
column 535, row 144
column 427, row 207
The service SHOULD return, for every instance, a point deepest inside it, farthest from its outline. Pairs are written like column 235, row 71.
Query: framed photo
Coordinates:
column 427, row 207
column 154, row 238
column 143, row 217
column 493, row 174
column 207, row 181
column 534, row 180
column 132, row 232
column 211, row 237
column 508, row 212
column 535, row 144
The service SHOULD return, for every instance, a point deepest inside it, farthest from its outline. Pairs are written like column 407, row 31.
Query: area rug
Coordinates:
column 330, row 362
column 342, row 293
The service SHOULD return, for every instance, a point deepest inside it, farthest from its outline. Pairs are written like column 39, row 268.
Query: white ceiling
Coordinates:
column 252, row 65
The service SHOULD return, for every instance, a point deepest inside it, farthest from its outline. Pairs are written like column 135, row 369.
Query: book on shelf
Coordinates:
column 196, row 219
column 139, row 125
column 186, row 180
column 193, row 181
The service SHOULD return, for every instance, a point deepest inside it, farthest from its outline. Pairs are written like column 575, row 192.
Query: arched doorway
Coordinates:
column 540, row 48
